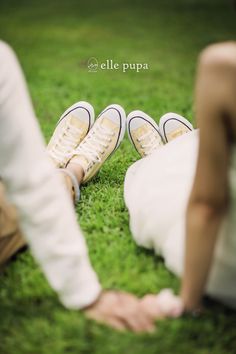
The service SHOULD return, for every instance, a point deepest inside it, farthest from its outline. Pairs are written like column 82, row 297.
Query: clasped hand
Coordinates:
column 124, row 311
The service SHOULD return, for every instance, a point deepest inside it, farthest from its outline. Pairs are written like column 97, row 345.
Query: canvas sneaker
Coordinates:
column 173, row 125
column 143, row 133
column 71, row 129
column 102, row 140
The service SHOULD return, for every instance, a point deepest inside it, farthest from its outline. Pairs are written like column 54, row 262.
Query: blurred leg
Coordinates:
column 11, row 239
column 72, row 177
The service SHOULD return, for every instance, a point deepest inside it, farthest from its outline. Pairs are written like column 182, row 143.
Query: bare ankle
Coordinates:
column 69, row 185
column 77, row 170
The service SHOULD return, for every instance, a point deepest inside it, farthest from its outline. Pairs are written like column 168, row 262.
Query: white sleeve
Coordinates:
column 46, row 214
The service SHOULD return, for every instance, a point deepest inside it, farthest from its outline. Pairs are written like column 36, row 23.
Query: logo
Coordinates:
column 110, row 64
column 92, row 65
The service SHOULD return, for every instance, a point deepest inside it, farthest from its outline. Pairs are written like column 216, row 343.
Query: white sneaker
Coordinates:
column 173, row 125
column 102, row 140
column 71, row 129
column 143, row 133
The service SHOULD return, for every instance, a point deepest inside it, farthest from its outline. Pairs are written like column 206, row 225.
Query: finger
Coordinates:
column 136, row 320
column 137, row 325
column 115, row 323
column 142, row 318
column 112, row 321
column 146, row 322
column 131, row 313
column 150, row 306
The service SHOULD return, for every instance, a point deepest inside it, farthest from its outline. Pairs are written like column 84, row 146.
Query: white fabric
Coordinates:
column 47, row 219
column 156, row 193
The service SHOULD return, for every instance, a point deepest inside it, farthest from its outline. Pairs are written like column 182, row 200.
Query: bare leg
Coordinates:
column 11, row 239
column 78, row 173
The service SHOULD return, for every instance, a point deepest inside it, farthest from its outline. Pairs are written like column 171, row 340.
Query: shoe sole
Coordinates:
column 144, row 116
column 172, row 116
column 81, row 104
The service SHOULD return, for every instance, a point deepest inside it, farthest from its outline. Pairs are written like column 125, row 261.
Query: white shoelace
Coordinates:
column 95, row 144
column 65, row 142
column 152, row 142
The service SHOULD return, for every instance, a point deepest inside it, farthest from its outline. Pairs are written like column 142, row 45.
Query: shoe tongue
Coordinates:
column 80, row 160
column 108, row 123
column 142, row 130
column 177, row 132
column 76, row 122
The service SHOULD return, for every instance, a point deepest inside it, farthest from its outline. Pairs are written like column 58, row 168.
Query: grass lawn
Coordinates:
column 54, row 40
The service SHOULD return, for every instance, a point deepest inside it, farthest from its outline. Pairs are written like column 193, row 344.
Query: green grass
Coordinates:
column 54, row 40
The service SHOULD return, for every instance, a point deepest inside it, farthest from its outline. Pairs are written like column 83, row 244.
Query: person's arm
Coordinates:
column 209, row 197
column 205, row 211
column 46, row 215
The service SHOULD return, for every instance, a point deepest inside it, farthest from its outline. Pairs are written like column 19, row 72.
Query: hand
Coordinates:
column 150, row 305
column 165, row 304
column 121, row 311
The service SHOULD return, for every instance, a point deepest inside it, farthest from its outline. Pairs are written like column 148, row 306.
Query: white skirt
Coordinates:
column 156, row 191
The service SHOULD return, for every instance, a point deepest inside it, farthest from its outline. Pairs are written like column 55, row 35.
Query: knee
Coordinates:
column 6, row 52
column 222, row 55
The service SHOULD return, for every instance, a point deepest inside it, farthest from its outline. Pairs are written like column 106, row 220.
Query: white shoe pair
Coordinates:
column 77, row 139
column 147, row 136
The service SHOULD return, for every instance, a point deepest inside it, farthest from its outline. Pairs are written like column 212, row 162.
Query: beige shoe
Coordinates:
column 173, row 125
column 71, row 129
column 143, row 133
column 102, row 140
